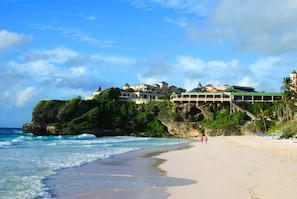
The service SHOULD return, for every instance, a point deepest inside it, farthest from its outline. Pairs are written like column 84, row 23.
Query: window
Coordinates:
column 248, row 97
column 267, row 97
column 257, row 97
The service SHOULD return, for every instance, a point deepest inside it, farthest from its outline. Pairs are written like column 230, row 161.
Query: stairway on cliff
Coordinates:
column 249, row 114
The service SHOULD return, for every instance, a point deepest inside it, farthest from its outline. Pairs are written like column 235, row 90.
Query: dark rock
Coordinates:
column 54, row 117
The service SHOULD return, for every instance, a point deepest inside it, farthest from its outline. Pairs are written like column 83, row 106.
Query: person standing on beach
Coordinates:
column 203, row 137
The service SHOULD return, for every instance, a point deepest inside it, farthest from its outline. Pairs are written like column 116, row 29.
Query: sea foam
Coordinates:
column 26, row 160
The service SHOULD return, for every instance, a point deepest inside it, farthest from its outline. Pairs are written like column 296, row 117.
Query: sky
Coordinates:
column 61, row 49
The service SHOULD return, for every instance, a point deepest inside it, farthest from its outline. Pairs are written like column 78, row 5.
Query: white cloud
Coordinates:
column 178, row 22
column 37, row 69
column 189, row 84
column 217, row 72
column 248, row 81
column 5, row 99
column 197, row 7
column 61, row 67
column 272, row 69
column 190, row 63
column 265, row 67
column 78, row 71
column 265, row 74
column 253, row 26
column 197, row 65
column 91, row 18
column 148, row 80
column 152, row 71
column 118, row 60
column 77, row 35
column 187, row 6
column 259, row 74
column 59, row 55
column 10, row 40
column 25, row 96
column 45, row 63
column 40, row 68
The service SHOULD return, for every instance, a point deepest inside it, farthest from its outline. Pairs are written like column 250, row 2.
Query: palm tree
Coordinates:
column 287, row 96
column 286, row 87
column 264, row 114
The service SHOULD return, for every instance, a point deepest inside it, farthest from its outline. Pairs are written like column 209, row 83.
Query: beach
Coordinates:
column 129, row 175
column 231, row 167
column 245, row 167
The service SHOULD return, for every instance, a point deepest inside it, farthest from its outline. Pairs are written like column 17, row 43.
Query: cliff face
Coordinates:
column 119, row 118
column 49, row 116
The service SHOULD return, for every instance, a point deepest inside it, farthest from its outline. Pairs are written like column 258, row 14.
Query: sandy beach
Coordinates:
column 125, row 176
column 239, row 167
column 234, row 167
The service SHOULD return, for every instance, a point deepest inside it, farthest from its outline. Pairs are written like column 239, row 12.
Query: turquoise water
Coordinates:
column 26, row 160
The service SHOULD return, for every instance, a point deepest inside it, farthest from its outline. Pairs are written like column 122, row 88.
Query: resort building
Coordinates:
column 293, row 78
column 219, row 88
column 161, row 87
column 142, row 93
column 201, row 94
column 140, row 97
column 95, row 93
column 221, row 94
column 210, row 88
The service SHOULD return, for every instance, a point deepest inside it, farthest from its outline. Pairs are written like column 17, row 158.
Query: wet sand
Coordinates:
column 234, row 167
column 224, row 168
column 131, row 175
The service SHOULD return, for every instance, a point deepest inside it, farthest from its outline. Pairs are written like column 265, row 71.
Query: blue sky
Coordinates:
column 60, row 49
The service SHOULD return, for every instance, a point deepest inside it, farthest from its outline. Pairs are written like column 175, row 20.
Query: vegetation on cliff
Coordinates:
column 106, row 114
column 224, row 120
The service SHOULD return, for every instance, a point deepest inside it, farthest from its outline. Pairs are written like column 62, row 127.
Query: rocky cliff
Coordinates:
column 107, row 118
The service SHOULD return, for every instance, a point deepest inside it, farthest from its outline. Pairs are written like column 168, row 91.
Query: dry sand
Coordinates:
column 234, row 168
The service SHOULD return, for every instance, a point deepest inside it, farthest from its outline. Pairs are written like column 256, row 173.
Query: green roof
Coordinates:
column 256, row 94
column 204, row 93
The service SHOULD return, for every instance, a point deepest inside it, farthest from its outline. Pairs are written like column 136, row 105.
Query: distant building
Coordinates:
column 95, row 93
column 161, row 87
column 172, row 89
column 293, row 78
column 141, row 93
column 241, row 89
column 218, row 88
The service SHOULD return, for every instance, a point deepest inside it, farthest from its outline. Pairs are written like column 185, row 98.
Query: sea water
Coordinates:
column 26, row 160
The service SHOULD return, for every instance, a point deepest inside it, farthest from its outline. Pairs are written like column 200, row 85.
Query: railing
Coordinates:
column 202, row 98
column 244, row 111
column 141, row 100
column 248, row 130
column 223, row 97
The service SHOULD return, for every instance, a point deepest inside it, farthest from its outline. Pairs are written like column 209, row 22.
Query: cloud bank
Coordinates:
column 10, row 40
column 253, row 26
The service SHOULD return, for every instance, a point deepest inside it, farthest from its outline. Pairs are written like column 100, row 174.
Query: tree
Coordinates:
column 109, row 94
column 180, row 90
column 130, row 90
column 263, row 116
column 286, row 85
column 287, row 96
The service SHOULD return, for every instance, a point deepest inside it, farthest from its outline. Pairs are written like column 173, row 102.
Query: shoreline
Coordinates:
column 231, row 167
column 135, row 174
column 245, row 167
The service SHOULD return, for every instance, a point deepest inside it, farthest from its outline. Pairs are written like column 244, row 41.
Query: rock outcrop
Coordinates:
column 52, row 117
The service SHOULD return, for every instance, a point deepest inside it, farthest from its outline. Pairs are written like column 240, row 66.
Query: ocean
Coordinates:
column 26, row 161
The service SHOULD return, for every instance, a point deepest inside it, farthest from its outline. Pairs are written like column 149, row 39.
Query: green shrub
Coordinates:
column 224, row 119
